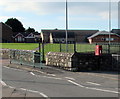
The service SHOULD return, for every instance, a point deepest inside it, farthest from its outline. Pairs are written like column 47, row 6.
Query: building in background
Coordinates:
column 117, row 31
column 26, row 38
column 6, row 33
column 103, row 37
column 78, row 36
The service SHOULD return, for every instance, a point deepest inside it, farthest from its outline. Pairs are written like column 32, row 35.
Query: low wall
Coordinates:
column 62, row 60
column 82, row 61
column 4, row 53
column 20, row 55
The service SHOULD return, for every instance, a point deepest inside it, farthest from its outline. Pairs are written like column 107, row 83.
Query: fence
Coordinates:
column 24, row 57
column 116, row 62
column 112, row 48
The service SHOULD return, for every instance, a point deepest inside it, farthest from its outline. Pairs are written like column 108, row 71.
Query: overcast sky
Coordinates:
column 51, row 15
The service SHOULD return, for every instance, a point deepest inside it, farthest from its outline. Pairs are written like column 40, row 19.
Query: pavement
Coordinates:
column 9, row 91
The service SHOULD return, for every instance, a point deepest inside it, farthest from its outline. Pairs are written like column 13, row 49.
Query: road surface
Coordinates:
column 60, row 84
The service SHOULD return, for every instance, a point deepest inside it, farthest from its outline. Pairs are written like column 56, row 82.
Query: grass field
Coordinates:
column 22, row 46
column 49, row 47
column 79, row 48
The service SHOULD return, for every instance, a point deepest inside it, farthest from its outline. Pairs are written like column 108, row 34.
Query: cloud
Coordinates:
column 56, row 8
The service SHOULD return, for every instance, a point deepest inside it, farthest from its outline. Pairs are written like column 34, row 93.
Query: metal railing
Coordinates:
column 29, row 58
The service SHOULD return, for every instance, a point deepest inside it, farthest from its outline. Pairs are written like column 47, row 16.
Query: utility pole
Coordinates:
column 109, row 26
column 66, row 27
column 109, row 21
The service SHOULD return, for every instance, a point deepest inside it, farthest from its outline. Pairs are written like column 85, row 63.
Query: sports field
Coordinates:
column 49, row 47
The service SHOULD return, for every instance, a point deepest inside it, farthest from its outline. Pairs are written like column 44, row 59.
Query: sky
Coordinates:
column 39, row 15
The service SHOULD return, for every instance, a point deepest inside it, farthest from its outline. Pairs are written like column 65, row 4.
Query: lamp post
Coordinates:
column 66, row 28
column 109, row 26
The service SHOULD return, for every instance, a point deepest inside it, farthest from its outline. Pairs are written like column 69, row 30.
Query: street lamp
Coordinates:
column 66, row 27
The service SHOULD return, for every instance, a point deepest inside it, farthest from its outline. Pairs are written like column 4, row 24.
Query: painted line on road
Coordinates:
column 44, row 73
column 75, row 83
column 53, row 77
column 3, row 83
column 45, row 76
column 51, row 74
column 93, row 83
column 42, row 94
column 32, row 73
column 103, row 90
column 12, row 68
column 70, row 78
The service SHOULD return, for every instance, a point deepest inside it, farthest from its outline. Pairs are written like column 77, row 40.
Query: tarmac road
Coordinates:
column 59, row 84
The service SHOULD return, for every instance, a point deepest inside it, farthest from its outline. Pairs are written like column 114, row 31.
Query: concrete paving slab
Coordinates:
column 18, row 93
column 6, row 91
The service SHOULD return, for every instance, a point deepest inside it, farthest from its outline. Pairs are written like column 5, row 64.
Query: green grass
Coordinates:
column 79, row 48
column 22, row 46
column 49, row 47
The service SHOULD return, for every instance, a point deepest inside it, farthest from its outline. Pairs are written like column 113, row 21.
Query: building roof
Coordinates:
column 102, row 33
column 62, row 34
column 117, row 31
column 76, row 32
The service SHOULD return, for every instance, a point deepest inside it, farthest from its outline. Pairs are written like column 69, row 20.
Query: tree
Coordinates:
column 30, row 30
column 15, row 24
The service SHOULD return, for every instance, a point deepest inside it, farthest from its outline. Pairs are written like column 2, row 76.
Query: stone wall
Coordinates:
column 4, row 53
column 82, row 61
column 62, row 60
column 20, row 55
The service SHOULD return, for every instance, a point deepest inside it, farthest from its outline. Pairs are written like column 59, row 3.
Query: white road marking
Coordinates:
column 104, row 90
column 3, row 83
column 32, row 73
column 12, row 68
column 51, row 74
column 23, row 89
column 52, row 77
column 11, row 87
column 70, row 78
column 93, row 83
column 42, row 94
column 45, row 76
column 75, row 83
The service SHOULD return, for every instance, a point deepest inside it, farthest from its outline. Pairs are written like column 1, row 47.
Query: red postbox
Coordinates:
column 98, row 50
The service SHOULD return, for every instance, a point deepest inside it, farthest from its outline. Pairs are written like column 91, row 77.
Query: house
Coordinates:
column 19, row 38
column 5, row 33
column 103, row 37
column 117, row 31
column 78, row 36
column 26, row 38
column 31, row 38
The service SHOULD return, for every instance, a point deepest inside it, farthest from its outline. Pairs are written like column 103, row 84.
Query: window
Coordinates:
column 19, row 38
column 111, row 39
column 102, row 39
